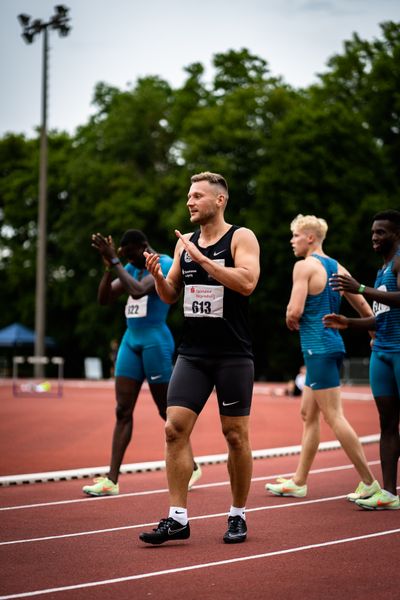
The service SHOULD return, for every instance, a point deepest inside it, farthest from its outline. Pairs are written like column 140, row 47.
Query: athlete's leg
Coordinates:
column 324, row 373
column 329, row 402
column 179, row 456
column 179, row 425
column 310, row 414
column 234, row 379
column 389, row 412
column 190, row 386
column 240, row 460
column 129, row 376
column 127, row 391
column 384, row 372
column 159, row 394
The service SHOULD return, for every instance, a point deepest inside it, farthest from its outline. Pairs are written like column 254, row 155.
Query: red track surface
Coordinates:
column 53, row 538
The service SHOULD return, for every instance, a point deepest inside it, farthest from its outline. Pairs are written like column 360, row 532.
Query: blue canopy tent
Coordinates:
column 18, row 335
column 17, row 338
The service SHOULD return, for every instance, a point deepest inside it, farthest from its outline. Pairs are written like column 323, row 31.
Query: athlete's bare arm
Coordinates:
column 335, row 321
column 343, row 282
column 109, row 290
column 302, row 272
column 357, row 301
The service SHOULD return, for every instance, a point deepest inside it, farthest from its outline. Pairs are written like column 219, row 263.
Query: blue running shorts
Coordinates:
column 146, row 354
column 384, row 374
column 323, row 370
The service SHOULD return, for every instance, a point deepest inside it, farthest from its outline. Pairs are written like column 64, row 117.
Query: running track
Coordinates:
column 55, row 543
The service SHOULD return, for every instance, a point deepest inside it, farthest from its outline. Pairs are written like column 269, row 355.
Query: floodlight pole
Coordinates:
column 41, row 260
column 60, row 22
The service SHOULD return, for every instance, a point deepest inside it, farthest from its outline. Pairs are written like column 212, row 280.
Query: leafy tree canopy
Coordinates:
column 331, row 149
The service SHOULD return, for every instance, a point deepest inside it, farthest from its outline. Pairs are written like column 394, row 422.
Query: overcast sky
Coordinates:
column 118, row 41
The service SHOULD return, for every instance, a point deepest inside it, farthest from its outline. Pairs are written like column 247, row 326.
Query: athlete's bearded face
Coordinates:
column 203, row 201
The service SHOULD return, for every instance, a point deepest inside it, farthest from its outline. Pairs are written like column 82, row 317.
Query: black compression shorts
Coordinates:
column 194, row 378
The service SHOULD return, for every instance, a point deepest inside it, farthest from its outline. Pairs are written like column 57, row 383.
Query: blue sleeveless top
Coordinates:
column 156, row 310
column 387, row 317
column 314, row 337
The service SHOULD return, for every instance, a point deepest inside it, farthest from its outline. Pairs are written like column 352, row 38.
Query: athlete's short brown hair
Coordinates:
column 214, row 178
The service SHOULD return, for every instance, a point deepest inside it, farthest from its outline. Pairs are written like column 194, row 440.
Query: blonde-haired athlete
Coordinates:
column 310, row 223
column 323, row 349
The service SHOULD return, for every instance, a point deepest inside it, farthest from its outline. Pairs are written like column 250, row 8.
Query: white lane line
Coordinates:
column 165, row 490
column 87, row 499
column 230, row 561
column 291, row 504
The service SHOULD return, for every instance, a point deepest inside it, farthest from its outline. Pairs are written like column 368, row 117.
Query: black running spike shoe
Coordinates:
column 237, row 530
column 166, row 531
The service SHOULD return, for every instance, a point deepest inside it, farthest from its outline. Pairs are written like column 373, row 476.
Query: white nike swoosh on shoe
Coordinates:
column 173, row 531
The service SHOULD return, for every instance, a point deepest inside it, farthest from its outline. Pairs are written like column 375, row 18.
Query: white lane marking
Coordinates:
column 218, row 563
column 159, row 465
column 165, row 490
column 290, row 504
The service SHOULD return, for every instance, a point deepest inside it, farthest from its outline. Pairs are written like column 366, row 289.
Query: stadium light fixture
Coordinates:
column 31, row 28
column 24, row 19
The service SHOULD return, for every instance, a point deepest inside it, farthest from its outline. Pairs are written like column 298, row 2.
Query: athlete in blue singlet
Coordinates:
column 323, row 349
column 146, row 349
column 385, row 356
column 147, row 346
column 323, row 352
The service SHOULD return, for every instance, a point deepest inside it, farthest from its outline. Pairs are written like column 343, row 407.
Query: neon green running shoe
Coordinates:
column 287, row 488
column 364, row 491
column 195, row 477
column 281, row 479
column 381, row 500
column 102, row 486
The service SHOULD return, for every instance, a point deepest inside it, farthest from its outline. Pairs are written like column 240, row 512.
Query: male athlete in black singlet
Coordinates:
column 217, row 267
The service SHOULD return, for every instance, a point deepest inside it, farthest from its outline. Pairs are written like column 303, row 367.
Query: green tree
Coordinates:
column 318, row 162
column 366, row 79
column 330, row 150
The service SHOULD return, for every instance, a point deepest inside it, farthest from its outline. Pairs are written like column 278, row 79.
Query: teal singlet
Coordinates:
column 314, row 337
column 387, row 317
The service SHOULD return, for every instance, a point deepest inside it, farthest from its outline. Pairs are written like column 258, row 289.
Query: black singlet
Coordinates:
column 227, row 332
